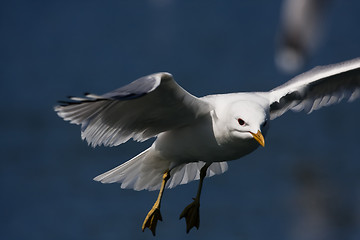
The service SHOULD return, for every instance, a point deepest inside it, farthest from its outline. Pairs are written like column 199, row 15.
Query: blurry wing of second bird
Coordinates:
column 139, row 110
column 319, row 87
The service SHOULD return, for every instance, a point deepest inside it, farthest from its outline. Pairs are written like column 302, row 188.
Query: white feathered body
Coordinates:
column 186, row 149
column 191, row 131
column 199, row 142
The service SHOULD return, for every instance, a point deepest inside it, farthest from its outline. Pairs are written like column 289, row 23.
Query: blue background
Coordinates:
column 305, row 184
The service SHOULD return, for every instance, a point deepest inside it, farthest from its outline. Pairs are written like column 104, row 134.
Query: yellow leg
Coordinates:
column 154, row 214
column 191, row 212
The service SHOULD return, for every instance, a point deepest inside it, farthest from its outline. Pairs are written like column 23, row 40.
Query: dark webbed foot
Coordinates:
column 191, row 212
column 191, row 215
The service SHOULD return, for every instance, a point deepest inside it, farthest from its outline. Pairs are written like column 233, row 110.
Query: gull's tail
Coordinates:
column 134, row 173
column 145, row 171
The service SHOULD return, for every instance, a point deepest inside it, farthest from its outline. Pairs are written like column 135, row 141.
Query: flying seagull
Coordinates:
column 302, row 26
column 195, row 136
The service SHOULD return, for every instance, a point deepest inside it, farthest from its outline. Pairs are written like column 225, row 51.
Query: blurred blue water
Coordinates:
column 303, row 185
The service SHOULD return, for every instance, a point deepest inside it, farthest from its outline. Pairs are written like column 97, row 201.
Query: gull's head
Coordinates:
column 247, row 120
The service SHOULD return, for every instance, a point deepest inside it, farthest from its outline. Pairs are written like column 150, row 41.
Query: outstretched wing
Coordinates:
column 139, row 110
column 321, row 86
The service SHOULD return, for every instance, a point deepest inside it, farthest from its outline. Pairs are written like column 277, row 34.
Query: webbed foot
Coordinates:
column 154, row 214
column 191, row 215
column 151, row 219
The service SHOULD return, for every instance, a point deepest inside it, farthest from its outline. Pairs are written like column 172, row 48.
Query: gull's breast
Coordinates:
column 197, row 142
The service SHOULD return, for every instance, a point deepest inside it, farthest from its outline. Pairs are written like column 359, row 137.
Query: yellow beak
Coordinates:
column 259, row 137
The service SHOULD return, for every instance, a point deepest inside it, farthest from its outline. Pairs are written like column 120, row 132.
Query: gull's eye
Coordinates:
column 241, row 122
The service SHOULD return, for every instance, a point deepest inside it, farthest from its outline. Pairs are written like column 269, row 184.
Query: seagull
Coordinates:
column 302, row 26
column 195, row 136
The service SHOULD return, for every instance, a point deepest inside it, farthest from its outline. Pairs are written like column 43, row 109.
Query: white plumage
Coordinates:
column 193, row 131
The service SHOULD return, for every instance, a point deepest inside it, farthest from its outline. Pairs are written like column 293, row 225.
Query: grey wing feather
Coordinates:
column 319, row 87
column 139, row 110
